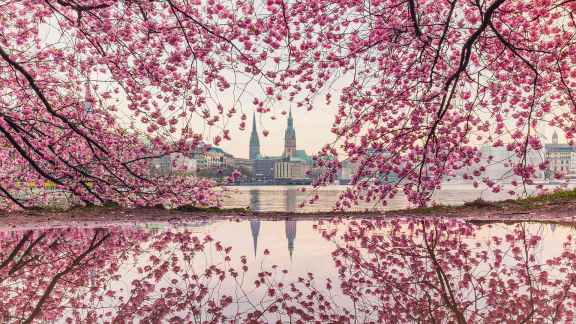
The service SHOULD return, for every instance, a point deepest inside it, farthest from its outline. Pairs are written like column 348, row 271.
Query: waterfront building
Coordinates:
column 561, row 157
column 174, row 163
column 244, row 165
column 293, row 164
column 214, row 158
column 347, row 171
column 263, row 168
column 499, row 162
column 289, row 170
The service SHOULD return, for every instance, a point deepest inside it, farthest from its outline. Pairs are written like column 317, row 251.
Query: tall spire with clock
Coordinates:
column 290, row 137
column 254, row 140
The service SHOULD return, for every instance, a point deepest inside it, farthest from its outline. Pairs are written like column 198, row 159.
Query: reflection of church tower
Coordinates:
column 255, row 223
column 254, row 141
column 290, row 235
column 255, row 230
column 555, row 138
column 291, row 200
column 254, row 200
column 290, row 137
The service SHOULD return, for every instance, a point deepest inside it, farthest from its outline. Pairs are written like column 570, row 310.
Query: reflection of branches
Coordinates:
column 401, row 270
column 76, row 262
column 430, row 269
column 446, row 289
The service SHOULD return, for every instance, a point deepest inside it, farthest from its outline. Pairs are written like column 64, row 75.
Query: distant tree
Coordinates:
column 419, row 85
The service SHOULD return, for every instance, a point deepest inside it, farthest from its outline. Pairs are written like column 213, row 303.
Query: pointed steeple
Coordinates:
column 290, row 121
column 290, row 137
column 254, row 122
column 254, row 140
column 555, row 138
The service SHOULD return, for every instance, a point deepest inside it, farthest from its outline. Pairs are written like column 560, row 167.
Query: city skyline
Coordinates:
column 313, row 133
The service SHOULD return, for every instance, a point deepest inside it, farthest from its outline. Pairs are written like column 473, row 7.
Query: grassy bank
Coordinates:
column 554, row 200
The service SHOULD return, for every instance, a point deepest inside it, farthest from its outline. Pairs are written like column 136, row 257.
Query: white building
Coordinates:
column 499, row 163
column 561, row 157
column 289, row 170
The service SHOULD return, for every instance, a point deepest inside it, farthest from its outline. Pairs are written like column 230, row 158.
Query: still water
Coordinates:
column 289, row 198
column 290, row 271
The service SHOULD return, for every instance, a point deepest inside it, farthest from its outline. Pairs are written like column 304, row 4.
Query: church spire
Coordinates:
column 555, row 138
column 290, row 137
column 254, row 140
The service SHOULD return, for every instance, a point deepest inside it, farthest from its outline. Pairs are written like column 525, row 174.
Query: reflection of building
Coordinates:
column 255, row 223
column 254, row 200
column 290, row 226
column 291, row 200
column 255, row 230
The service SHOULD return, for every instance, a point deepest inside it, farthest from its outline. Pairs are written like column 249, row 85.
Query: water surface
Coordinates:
column 289, row 198
column 361, row 270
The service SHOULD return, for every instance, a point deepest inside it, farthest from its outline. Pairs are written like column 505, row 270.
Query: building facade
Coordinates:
column 293, row 164
column 561, row 157
column 214, row 158
column 289, row 170
column 263, row 168
column 174, row 163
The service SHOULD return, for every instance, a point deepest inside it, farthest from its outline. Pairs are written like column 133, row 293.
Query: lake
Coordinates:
column 290, row 271
column 288, row 198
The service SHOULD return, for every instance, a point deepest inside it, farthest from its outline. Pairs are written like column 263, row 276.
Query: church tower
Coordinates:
column 254, row 141
column 555, row 138
column 290, row 137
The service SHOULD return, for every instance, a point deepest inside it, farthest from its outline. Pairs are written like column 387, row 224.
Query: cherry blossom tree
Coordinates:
column 417, row 85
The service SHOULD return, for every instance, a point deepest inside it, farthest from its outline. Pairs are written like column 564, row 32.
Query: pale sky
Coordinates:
column 312, row 127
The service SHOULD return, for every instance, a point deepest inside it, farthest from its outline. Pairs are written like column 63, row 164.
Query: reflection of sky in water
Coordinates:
column 294, row 245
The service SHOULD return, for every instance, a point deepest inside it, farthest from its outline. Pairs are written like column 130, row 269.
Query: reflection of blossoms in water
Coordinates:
column 410, row 270
column 436, row 270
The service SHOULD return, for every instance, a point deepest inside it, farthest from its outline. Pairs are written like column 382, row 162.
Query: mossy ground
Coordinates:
column 553, row 199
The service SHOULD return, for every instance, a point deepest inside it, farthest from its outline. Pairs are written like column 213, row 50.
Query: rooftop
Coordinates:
column 559, row 148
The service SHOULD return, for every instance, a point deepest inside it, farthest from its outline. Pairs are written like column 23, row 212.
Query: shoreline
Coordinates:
column 552, row 207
